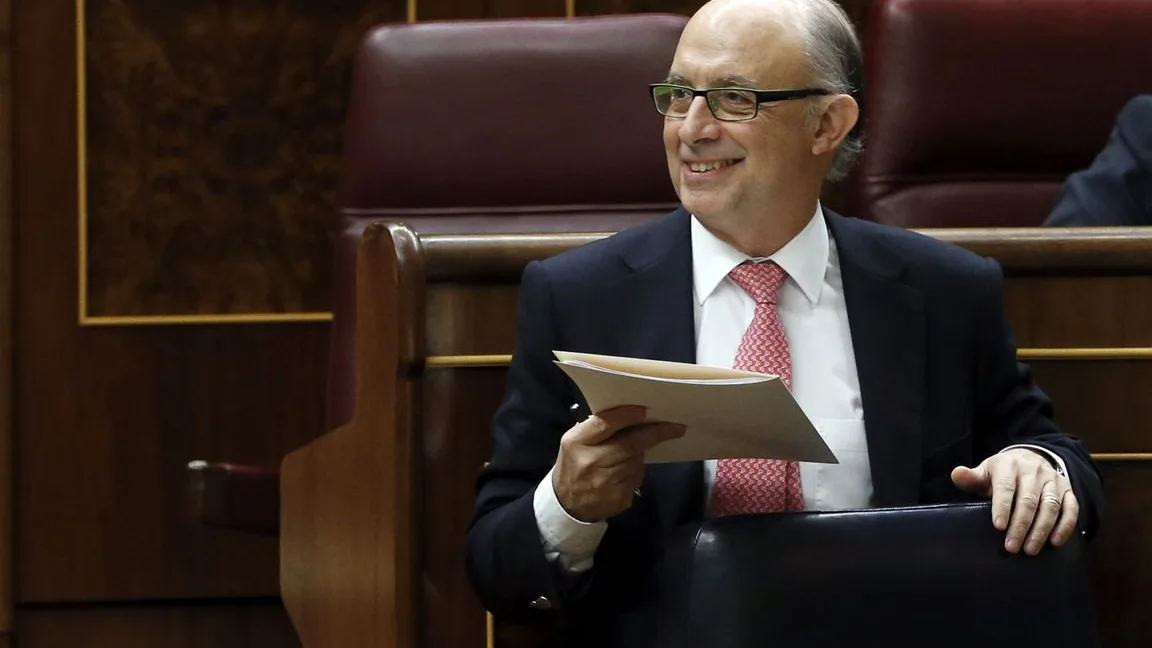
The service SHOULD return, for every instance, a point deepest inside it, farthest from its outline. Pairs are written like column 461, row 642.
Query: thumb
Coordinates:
column 973, row 480
column 601, row 427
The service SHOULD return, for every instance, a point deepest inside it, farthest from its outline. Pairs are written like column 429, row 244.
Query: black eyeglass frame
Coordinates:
column 762, row 96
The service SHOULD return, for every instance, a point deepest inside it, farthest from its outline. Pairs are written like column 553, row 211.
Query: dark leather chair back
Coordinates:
column 525, row 125
column 927, row 576
column 977, row 110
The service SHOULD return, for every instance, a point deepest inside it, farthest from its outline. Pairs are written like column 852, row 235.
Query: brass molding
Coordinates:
column 1122, row 456
column 191, row 320
column 491, row 623
column 1086, row 353
column 411, row 11
column 569, row 8
column 462, row 361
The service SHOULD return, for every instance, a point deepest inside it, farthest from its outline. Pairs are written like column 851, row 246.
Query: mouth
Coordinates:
column 711, row 167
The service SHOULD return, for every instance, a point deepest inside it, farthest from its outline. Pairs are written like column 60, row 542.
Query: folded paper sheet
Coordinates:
column 727, row 412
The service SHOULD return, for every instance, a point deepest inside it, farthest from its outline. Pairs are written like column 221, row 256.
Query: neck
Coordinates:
column 765, row 235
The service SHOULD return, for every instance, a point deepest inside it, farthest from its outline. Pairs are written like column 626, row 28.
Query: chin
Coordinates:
column 704, row 207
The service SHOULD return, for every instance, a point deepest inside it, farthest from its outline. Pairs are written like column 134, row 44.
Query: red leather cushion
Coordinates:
column 979, row 109
column 509, row 112
column 525, row 125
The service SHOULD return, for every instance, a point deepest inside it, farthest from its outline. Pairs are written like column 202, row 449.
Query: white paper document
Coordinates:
column 728, row 413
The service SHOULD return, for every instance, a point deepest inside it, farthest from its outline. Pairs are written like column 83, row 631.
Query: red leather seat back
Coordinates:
column 977, row 110
column 524, row 125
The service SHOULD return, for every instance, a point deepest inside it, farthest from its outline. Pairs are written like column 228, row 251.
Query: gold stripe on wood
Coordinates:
column 462, row 361
column 491, row 623
column 1122, row 456
column 1086, row 353
column 411, row 11
column 570, row 8
column 186, row 320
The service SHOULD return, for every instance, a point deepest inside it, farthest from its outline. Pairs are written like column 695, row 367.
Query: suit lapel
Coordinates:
column 887, row 323
column 654, row 299
column 655, row 314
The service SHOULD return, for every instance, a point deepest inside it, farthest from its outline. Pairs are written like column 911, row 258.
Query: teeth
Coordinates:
column 701, row 167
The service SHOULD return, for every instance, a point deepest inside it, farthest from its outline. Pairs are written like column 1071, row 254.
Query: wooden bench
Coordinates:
column 374, row 513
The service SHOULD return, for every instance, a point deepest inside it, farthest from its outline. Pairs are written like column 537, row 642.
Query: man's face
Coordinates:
column 726, row 170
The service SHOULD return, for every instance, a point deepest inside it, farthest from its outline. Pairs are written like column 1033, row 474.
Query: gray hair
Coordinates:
column 834, row 52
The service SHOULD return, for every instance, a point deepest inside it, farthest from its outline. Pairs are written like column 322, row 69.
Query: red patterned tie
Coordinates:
column 760, row 485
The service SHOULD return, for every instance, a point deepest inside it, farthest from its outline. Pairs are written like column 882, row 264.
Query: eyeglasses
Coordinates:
column 726, row 104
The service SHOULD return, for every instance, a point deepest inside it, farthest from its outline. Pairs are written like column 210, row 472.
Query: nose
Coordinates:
column 699, row 125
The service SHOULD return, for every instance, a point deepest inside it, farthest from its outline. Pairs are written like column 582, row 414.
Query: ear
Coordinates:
column 834, row 123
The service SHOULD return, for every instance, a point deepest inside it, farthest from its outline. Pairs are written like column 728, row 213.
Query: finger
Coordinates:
column 1002, row 489
column 638, row 439
column 1027, row 498
column 1069, row 516
column 600, row 427
column 1047, row 513
column 973, row 480
column 627, row 445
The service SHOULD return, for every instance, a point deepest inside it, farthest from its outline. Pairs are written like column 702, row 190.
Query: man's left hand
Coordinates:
column 1030, row 499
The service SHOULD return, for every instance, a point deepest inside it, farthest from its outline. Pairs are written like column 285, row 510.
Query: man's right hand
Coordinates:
column 601, row 461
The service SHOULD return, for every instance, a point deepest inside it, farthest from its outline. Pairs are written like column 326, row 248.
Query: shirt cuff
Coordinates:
column 1056, row 459
column 565, row 538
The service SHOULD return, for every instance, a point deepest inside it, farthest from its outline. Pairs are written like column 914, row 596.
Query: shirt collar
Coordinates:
column 804, row 258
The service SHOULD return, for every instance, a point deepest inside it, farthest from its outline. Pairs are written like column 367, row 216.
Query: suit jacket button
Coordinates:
column 541, row 603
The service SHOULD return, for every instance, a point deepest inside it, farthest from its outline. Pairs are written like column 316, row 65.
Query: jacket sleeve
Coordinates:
column 1013, row 410
column 505, row 557
column 1117, row 188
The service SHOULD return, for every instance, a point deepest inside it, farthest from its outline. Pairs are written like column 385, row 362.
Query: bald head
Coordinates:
column 755, row 181
column 757, row 19
column 807, row 42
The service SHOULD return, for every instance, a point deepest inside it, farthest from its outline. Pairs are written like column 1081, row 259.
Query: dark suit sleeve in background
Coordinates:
column 1117, row 188
column 1011, row 409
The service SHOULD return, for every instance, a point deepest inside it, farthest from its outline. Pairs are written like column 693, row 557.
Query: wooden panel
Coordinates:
column 471, row 319
column 6, row 320
column 349, row 547
column 213, row 141
column 456, row 443
column 226, row 624
column 1108, row 312
column 1121, row 556
column 1106, row 403
column 107, row 418
column 113, row 419
column 1080, row 311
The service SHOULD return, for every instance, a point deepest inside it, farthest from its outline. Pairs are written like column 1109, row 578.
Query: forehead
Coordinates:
column 726, row 47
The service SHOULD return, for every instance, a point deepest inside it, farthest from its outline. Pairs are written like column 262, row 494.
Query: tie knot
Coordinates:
column 760, row 280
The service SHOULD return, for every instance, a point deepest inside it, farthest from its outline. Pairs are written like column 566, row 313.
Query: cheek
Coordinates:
column 671, row 137
column 671, row 149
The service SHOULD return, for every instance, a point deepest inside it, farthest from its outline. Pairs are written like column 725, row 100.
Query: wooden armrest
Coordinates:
column 232, row 496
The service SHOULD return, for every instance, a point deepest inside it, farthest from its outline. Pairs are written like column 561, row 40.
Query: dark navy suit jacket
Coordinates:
column 1117, row 188
column 938, row 377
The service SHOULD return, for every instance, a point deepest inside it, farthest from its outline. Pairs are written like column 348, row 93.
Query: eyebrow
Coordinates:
column 729, row 81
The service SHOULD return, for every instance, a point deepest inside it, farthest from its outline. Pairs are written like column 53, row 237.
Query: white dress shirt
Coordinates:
column 824, row 379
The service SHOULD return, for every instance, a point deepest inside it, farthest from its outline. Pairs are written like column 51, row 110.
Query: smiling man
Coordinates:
column 894, row 344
